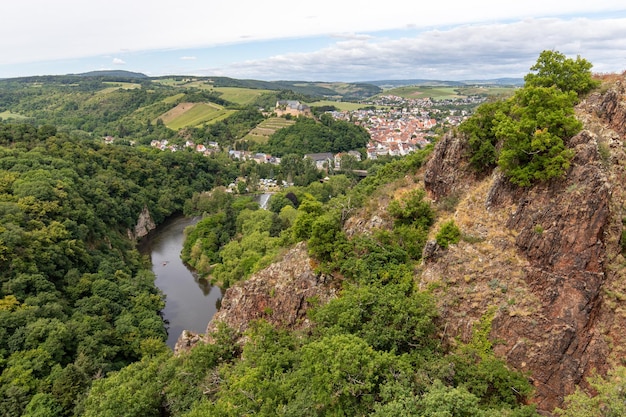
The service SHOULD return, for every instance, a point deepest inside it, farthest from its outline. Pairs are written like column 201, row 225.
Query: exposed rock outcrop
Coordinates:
column 611, row 107
column 186, row 341
column 145, row 224
column 447, row 171
column 280, row 294
column 545, row 260
column 541, row 255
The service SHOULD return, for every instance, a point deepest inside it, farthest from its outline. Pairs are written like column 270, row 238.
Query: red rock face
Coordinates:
column 564, row 237
column 611, row 107
column 280, row 294
column 561, row 234
column 563, row 231
column 447, row 170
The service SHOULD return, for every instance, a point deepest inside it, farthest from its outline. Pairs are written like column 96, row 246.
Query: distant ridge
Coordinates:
column 112, row 73
column 444, row 83
column 420, row 82
column 498, row 81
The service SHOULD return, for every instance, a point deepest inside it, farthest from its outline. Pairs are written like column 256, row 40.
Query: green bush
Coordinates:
column 412, row 210
column 449, row 234
column 480, row 135
column 532, row 135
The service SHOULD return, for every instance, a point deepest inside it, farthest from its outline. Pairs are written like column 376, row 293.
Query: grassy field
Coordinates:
column 241, row 96
column 341, row 105
column 174, row 98
column 236, row 95
column 266, row 128
column 114, row 86
column 122, row 85
column 436, row 93
column 5, row 115
column 194, row 114
column 487, row 91
column 186, row 81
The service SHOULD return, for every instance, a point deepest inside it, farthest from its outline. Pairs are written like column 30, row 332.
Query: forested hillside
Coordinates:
column 425, row 286
column 76, row 299
column 77, row 302
column 376, row 350
column 132, row 109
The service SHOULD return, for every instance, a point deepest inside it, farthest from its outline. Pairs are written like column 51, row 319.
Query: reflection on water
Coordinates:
column 263, row 199
column 190, row 301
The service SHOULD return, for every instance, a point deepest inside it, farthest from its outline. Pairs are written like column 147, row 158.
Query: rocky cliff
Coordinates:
column 145, row 224
column 546, row 260
column 281, row 294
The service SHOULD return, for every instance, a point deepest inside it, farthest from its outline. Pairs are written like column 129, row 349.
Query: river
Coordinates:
column 190, row 302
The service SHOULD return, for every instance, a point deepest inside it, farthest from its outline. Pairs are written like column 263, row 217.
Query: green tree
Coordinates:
column 393, row 318
column 526, row 134
column 327, row 242
column 608, row 400
column 308, row 212
column 134, row 391
column 43, row 405
column 444, row 401
column 412, row 210
column 532, row 135
column 555, row 69
column 481, row 137
column 339, row 375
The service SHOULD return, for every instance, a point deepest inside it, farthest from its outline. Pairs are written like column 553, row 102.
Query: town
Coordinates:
column 397, row 126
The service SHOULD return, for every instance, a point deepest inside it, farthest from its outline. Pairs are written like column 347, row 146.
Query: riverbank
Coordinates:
column 190, row 301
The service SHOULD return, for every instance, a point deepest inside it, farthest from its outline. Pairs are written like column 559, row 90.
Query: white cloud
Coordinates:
column 118, row 61
column 188, row 58
column 351, row 36
column 76, row 28
column 464, row 52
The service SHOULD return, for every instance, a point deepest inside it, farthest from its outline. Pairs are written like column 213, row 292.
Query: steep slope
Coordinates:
column 281, row 294
column 544, row 260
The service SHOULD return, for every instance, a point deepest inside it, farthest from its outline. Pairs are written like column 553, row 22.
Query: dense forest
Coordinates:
column 76, row 299
column 79, row 312
column 309, row 136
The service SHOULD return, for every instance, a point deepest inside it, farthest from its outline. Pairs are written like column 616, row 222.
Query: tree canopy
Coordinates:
column 76, row 299
column 555, row 69
column 526, row 134
column 309, row 136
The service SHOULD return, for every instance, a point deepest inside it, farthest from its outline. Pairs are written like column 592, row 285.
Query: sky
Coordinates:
column 319, row 40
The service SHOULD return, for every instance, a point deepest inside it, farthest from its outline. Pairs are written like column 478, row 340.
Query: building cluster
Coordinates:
column 397, row 127
column 398, row 136
column 291, row 107
column 392, row 132
column 325, row 160
column 266, row 185
column 261, row 158
column 405, row 125
column 165, row 145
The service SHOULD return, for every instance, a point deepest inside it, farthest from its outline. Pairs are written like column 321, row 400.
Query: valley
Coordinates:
column 427, row 249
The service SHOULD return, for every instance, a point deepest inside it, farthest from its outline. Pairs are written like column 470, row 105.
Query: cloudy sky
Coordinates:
column 320, row 40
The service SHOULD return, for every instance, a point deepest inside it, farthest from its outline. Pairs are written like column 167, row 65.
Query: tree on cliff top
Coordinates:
column 526, row 134
column 567, row 74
